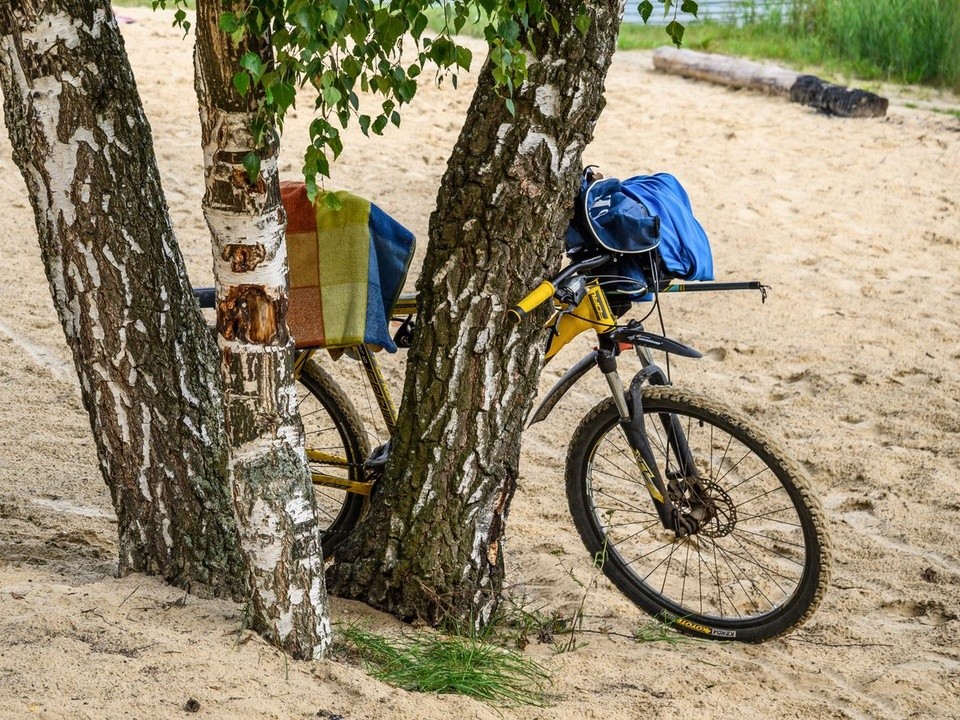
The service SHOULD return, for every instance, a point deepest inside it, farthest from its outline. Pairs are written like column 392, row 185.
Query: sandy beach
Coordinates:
column 852, row 363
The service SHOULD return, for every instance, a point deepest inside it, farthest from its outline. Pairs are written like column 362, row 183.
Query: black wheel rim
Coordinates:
column 752, row 558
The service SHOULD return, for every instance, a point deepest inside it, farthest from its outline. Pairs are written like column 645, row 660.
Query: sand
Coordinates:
column 851, row 363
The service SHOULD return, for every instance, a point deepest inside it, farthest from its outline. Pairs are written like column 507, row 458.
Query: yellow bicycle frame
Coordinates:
column 593, row 313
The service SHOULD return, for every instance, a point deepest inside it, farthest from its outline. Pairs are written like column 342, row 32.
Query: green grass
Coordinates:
column 517, row 624
column 758, row 41
column 914, row 41
column 655, row 631
column 907, row 41
column 433, row 663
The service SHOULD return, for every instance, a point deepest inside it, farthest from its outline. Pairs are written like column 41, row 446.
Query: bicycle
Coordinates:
column 688, row 509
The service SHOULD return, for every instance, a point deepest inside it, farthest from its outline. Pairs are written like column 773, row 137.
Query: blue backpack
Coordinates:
column 648, row 223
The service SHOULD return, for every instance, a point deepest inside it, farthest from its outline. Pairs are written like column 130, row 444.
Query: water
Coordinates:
column 734, row 11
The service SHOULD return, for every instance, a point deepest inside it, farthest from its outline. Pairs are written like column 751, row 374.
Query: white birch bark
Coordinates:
column 119, row 286
column 273, row 494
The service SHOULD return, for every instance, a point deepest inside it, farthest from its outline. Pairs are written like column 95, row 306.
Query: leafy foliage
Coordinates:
column 346, row 49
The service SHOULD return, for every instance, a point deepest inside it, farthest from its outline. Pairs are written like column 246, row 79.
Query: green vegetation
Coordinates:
column 657, row 631
column 911, row 41
column 917, row 41
column 465, row 665
column 191, row 4
column 517, row 624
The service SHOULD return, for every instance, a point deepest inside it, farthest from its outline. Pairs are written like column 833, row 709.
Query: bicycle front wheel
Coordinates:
column 759, row 564
column 336, row 448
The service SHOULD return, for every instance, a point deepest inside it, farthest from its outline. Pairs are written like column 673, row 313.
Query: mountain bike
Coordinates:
column 689, row 509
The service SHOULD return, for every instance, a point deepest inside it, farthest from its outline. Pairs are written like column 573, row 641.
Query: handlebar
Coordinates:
column 546, row 289
column 532, row 301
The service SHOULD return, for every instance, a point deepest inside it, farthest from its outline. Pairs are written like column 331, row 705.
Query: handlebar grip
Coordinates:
column 532, row 301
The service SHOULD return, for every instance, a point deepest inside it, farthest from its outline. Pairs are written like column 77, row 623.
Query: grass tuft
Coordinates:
column 656, row 631
column 517, row 624
column 450, row 664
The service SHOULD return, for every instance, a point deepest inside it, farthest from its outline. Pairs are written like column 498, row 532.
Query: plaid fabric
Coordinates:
column 347, row 267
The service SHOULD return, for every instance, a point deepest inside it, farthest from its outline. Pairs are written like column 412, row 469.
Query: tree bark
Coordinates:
column 140, row 346
column 432, row 545
column 275, row 506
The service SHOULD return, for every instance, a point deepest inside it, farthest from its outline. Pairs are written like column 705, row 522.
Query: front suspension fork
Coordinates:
column 629, row 405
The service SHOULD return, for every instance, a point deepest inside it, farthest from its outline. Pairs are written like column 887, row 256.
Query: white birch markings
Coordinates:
column 77, row 128
column 267, row 465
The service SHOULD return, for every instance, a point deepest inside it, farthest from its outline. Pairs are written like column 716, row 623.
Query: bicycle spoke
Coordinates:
column 746, row 563
column 627, row 506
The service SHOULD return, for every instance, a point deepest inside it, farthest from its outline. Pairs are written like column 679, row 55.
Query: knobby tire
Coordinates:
column 759, row 566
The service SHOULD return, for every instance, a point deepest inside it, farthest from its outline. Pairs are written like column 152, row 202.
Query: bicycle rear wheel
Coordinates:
column 759, row 564
column 336, row 449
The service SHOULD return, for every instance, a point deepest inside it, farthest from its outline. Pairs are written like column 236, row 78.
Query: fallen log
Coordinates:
column 771, row 79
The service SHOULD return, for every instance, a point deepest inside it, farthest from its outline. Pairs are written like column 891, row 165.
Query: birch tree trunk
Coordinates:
column 273, row 494
column 432, row 545
column 142, row 352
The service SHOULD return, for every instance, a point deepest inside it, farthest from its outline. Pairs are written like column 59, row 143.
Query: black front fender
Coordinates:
column 655, row 342
column 569, row 379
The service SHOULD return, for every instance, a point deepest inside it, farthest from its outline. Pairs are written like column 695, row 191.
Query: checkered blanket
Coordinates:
column 347, row 267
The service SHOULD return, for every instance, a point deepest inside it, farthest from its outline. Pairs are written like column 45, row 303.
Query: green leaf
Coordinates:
column 251, row 62
column 364, row 121
column 241, row 81
column 667, row 7
column 689, row 6
column 228, row 22
column 582, row 21
column 284, row 95
column 335, row 143
column 331, row 96
column 418, row 26
column 511, row 108
column 510, row 31
column 464, row 57
column 675, row 31
column 311, row 182
column 645, row 9
column 443, row 52
column 322, row 165
column 251, row 163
